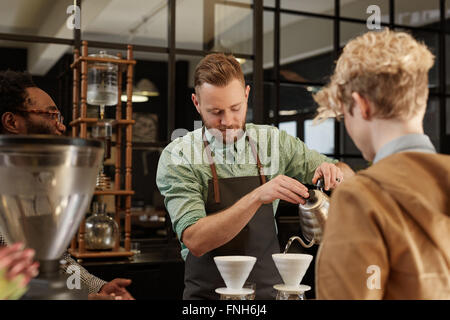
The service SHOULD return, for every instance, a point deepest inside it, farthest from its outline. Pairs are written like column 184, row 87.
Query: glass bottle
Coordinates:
column 102, row 231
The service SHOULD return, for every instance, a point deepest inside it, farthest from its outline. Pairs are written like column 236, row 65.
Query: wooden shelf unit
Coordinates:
column 79, row 129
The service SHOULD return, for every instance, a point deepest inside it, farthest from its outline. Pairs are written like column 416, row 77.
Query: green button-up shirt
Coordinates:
column 184, row 171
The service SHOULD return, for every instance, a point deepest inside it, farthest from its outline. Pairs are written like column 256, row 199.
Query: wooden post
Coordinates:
column 84, row 71
column 83, row 129
column 117, row 180
column 76, row 92
column 75, row 99
column 128, row 150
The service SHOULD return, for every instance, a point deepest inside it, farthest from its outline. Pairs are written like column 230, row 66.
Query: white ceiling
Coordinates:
column 145, row 22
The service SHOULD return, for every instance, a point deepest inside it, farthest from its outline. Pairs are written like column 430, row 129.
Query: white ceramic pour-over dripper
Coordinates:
column 234, row 269
column 292, row 267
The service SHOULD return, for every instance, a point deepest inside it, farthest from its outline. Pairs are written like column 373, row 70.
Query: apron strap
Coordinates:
column 213, row 166
column 213, row 170
column 258, row 163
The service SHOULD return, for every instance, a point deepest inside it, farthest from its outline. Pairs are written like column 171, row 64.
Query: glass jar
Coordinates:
column 102, row 231
column 102, row 81
column 289, row 295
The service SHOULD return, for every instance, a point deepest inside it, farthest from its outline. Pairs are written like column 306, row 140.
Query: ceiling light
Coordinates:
column 134, row 98
column 144, row 89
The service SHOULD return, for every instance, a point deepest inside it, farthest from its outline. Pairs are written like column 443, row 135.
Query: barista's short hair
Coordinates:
column 219, row 70
column 389, row 69
column 13, row 93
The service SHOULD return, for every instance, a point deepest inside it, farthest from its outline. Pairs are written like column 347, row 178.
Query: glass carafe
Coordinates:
column 103, row 131
column 288, row 295
column 102, row 231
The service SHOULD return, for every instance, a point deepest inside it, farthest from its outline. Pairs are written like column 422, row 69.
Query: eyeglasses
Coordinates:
column 54, row 114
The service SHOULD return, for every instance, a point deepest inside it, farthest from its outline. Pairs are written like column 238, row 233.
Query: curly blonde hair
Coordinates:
column 388, row 68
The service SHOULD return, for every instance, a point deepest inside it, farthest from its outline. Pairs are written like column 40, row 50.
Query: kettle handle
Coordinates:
column 320, row 184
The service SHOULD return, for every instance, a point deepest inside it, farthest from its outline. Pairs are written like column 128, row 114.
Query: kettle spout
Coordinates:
column 291, row 239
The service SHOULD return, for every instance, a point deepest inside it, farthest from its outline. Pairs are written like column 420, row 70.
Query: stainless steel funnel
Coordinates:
column 46, row 185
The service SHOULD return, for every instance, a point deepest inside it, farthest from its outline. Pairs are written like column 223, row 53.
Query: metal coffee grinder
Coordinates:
column 46, row 186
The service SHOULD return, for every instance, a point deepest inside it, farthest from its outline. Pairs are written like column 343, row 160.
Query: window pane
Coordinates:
column 126, row 22
column 350, row 30
column 447, row 114
column 431, row 123
column 203, row 25
column 290, row 127
column 41, row 18
column 356, row 163
column 317, row 6
column 320, row 137
column 447, row 15
column 417, row 13
column 358, row 9
column 348, row 146
column 295, row 101
column 306, row 48
column 295, row 98
column 268, row 43
column 447, row 62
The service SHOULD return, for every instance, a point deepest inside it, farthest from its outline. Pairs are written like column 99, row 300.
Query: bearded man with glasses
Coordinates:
column 26, row 109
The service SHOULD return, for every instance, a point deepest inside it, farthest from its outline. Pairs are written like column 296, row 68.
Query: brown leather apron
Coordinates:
column 258, row 238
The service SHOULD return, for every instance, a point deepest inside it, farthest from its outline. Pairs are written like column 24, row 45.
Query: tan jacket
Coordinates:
column 388, row 232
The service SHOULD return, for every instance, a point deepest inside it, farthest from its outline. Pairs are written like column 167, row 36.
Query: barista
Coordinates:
column 26, row 109
column 223, row 203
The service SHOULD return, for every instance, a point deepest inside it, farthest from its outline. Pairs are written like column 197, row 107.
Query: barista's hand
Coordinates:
column 18, row 261
column 117, row 287
column 284, row 188
column 331, row 174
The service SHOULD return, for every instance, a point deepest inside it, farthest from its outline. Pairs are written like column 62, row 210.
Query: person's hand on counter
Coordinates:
column 16, row 270
column 116, row 287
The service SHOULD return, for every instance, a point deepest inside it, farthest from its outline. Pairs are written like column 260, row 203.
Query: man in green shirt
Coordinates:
column 222, row 182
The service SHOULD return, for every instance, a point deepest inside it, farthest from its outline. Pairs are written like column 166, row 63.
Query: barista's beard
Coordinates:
column 39, row 128
column 217, row 132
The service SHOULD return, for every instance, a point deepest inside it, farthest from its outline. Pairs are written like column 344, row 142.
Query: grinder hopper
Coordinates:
column 46, row 185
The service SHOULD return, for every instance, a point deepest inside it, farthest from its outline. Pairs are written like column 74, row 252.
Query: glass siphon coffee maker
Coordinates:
column 102, row 232
column 103, row 131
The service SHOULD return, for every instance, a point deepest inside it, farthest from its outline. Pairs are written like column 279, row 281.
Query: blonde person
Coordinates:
column 388, row 232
